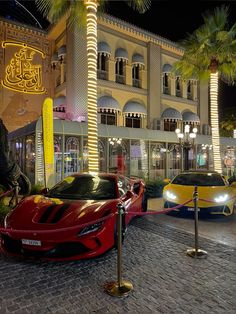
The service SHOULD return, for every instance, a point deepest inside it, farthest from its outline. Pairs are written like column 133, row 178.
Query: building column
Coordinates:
column 143, row 77
column 153, row 83
column 111, row 71
column 77, row 73
column 172, row 85
column 128, row 75
column 184, row 89
column 195, row 89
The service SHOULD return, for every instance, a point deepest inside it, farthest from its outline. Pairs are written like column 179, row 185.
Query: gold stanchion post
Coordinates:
column 120, row 287
column 196, row 252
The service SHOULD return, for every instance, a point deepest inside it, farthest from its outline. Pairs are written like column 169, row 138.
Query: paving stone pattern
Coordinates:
column 165, row 279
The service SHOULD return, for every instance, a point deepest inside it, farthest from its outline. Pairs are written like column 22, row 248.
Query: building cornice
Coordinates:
column 22, row 27
column 138, row 33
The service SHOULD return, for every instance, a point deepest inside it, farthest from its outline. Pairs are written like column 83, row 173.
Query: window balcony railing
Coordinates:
column 166, row 90
column 189, row 96
column 120, row 79
column 178, row 93
column 102, row 75
column 137, row 83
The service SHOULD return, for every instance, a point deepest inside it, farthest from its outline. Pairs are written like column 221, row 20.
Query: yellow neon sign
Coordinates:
column 21, row 75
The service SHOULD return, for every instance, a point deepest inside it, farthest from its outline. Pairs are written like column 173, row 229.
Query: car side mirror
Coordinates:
column 44, row 191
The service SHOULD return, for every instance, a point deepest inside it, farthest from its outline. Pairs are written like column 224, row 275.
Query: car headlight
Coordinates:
column 170, row 195
column 221, row 198
column 91, row 228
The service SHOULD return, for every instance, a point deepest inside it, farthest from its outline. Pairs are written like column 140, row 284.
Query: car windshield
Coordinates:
column 199, row 179
column 85, row 187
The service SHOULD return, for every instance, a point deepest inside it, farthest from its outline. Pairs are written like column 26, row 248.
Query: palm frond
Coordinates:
column 139, row 5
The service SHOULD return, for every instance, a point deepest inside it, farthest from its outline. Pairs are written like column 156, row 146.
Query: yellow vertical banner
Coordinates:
column 48, row 142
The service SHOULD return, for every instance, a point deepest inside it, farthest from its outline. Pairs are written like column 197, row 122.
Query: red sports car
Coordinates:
column 73, row 220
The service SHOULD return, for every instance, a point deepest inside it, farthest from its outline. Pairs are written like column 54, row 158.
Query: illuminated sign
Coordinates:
column 48, row 143
column 21, row 75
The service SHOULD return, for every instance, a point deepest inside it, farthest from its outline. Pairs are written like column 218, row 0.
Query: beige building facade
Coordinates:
column 139, row 99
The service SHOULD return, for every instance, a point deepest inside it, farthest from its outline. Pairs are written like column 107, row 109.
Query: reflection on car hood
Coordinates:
column 39, row 212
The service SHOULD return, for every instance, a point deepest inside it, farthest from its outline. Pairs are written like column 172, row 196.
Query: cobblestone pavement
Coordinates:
column 165, row 280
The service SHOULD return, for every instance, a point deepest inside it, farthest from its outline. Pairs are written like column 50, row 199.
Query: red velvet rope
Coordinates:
column 13, row 231
column 162, row 211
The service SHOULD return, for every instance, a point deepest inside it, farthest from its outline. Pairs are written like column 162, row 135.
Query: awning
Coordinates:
column 191, row 117
column 171, row 114
column 121, row 54
column 138, row 59
column 133, row 108
column 59, row 101
column 106, row 103
column 104, row 48
column 167, row 68
column 61, row 51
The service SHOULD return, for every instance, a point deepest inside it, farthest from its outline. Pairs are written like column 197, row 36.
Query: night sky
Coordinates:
column 169, row 19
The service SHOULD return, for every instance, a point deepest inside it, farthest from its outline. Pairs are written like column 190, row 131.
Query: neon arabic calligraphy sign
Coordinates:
column 21, row 75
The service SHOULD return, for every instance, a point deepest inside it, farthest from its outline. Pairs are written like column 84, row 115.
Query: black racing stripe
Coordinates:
column 59, row 213
column 47, row 213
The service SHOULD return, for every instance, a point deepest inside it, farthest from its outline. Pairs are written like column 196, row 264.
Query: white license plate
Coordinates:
column 191, row 209
column 31, row 242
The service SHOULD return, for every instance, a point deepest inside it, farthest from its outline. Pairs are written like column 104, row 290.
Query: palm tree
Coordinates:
column 228, row 125
column 210, row 54
column 77, row 11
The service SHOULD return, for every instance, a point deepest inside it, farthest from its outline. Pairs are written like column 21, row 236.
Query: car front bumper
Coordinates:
column 213, row 210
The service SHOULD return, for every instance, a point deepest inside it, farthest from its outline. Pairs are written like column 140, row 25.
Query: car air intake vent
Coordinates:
column 58, row 215
column 47, row 213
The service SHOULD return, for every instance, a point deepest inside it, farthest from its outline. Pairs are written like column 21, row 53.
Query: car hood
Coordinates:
column 184, row 193
column 40, row 212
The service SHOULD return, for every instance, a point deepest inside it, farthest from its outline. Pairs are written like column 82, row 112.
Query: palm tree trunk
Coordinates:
column 91, row 6
column 215, row 121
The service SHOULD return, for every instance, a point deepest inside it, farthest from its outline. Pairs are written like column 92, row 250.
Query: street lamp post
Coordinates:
column 187, row 141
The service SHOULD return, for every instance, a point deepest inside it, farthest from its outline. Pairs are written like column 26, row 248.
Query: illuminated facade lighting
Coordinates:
column 21, row 75
column 91, row 6
column 215, row 121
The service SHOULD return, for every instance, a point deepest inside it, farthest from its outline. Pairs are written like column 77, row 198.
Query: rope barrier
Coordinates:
column 67, row 229
column 162, row 211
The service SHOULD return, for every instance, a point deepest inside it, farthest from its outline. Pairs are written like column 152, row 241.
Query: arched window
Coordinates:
column 104, row 52
column 109, row 117
column 136, row 76
column 121, row 57
column 134, row 113
column 132, row 121
column 108, row 109
column 71, row 159
column 178, row 87
column 120, row 71
column 102, row 66
column 166, row 84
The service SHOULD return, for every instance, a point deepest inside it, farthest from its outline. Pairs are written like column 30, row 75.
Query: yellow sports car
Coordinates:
column 215, row 194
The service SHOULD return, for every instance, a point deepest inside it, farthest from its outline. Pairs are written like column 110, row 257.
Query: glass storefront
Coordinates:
column 148, row 159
